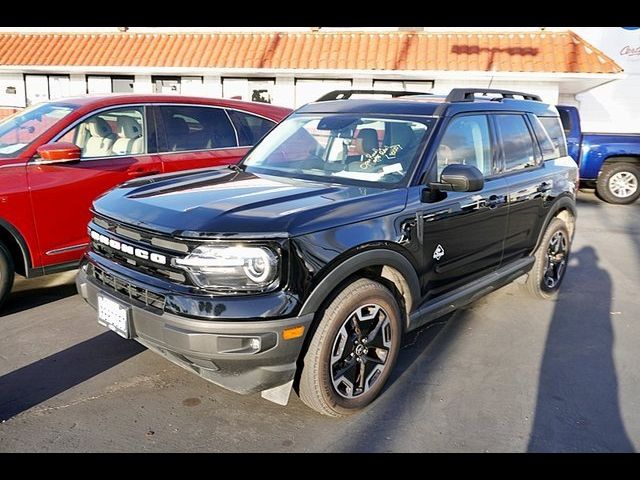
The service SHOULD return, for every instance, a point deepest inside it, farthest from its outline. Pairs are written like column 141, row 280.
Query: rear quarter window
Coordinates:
column 555, row 131
column 250, row 128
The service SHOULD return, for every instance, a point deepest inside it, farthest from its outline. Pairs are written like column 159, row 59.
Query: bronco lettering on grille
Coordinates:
column 128, row 249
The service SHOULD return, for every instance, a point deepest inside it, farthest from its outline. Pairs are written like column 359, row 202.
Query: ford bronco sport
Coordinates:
column 350, row 223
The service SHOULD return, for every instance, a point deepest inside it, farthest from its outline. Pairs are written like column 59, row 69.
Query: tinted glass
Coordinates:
column 250, row 128
column 342, row 148
column 556, row 134
column 517, row 144
column 196, row 128
column 565, row 118
column 549, row 149
column 110, row 133
column 466, row 141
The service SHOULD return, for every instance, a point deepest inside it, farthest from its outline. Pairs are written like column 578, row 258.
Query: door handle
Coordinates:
column 494, row 200
column 142, row 173
column 544, row 187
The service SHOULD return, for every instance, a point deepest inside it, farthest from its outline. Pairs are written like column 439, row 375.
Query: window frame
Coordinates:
column 416, row 172
column 537, row 151
column 273, row 122
column 563, row 152
column 534, row 118
column 161, row 127
column 431, row 170
column 161, row 131
column 90, row 114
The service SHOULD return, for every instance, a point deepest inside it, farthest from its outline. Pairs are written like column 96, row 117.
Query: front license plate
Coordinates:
column 113, row 315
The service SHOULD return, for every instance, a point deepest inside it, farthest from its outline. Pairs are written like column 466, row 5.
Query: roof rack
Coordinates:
column 468, row 94
column 345, row 94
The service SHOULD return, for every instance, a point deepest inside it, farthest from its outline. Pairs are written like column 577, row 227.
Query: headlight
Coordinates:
column 232, row 267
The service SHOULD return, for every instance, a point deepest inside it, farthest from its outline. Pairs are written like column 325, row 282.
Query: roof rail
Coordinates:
column 345, row 94
column 468, row 94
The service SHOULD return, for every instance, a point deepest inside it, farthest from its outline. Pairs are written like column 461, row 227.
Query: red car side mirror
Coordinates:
column 59, row 152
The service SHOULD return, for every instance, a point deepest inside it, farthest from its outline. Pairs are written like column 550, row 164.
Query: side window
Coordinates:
column 556, row 133
column 466, row 141
column 517, row 143
column 250, row 127
column 196, row 128
column 549, row 148
column 110, row 133
column 565, row 118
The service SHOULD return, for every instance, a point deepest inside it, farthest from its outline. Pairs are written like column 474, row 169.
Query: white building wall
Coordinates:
column 548, row 91
column 614, row 107
column 212, row 86
column 284, row 92
column 9, row 82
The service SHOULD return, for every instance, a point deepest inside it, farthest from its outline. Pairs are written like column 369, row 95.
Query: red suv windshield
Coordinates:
column 19, row 130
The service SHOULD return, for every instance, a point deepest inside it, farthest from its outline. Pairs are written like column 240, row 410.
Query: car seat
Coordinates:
column 130, row 140
column 101, row 139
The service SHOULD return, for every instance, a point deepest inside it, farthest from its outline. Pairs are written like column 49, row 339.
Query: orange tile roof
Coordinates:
column 542, row 51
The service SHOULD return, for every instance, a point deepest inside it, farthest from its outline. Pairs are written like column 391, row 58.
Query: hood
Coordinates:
column 227, row 203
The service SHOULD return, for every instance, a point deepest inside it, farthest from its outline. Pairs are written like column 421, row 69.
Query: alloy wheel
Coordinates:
column 556, row 260
column 623, row 184
column 360, row 351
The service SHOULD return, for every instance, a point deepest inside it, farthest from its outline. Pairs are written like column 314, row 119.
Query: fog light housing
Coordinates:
column 250, row 344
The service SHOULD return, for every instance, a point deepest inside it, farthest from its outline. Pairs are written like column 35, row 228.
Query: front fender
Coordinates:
column 368, row 258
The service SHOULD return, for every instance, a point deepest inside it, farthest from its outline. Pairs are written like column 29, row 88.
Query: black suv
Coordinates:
column 352, row 222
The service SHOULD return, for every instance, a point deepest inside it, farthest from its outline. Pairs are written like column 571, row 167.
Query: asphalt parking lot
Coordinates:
column 509, row 373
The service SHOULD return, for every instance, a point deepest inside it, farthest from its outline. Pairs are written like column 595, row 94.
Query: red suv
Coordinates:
column 57, row 157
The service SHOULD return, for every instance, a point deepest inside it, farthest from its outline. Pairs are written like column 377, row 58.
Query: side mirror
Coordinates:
column 459, row 178
column 59, row 152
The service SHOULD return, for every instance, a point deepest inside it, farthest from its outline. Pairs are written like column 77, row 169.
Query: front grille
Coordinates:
column 134, row 292
column 146, row 240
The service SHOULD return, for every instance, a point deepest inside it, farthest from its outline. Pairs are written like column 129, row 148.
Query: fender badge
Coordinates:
column 439, row 252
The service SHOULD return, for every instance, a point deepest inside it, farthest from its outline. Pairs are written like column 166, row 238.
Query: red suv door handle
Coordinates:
column 141, row 172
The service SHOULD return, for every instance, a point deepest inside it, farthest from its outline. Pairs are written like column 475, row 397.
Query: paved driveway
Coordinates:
column 508, row 373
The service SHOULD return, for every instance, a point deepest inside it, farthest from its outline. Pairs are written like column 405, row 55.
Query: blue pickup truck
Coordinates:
column 609, row 162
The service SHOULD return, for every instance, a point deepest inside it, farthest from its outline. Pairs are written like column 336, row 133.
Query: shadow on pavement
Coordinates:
column 27, row 299
column 578, row 408
column 46, row 378
column 421, row 350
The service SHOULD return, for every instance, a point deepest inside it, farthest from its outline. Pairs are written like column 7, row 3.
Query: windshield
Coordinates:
column 19, row 130
column 341, row 147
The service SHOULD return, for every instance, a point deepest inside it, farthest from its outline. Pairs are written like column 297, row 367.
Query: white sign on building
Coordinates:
column 613, row 107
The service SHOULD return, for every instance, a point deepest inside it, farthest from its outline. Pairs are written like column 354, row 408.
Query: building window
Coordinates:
column 191, row 86
column 166, row 84
column 249, row 89
column 404, row 85
column 39, row 88
column 122, row 84
column 98, row 84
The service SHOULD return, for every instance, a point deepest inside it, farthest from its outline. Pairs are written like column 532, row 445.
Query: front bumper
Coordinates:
column 214, row 349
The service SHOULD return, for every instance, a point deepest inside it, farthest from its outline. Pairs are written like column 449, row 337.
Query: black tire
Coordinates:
column 7, row 273
column 358, row 300
column 609, row 188
column 539, row 284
